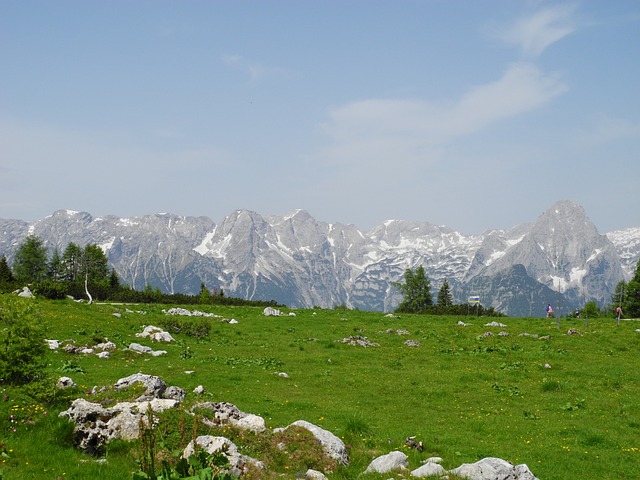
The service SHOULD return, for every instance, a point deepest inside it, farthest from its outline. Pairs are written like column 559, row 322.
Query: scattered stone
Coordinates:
column 395, row 460
column 546, row 365
column 503, row 334
column 399, row 331
column 117, row 315
column 225, row 412
column 53, row 344
column 429, row 469
column 433, row 460
column 283, row 374
column 96, row 425
column 545, row 337
column 103, row 355
column 462, row 324
column 188, row 313
column 332, row 445
column 199, row 390
column 175, row 393
column 272, row 312
column 154, row 385
column 155, row 334
column 493, row 469
column 106, row 346
column 359, row 340
column 532, row 335
column 495, row 324
column 487, row 334
column 71, row 348
column 573, row 331
column 233, row 321
column 136, row 347
column 314, row 475
column 65, row 382
column 412, row 343
column 211, row 444
column 26, row 293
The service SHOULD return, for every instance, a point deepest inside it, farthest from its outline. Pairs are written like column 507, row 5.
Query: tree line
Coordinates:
column 417, row 297
column 84, row 273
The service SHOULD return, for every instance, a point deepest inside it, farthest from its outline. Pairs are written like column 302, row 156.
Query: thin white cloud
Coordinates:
column 373, row 129
column 255, row 70
column 535, row 32
column 605, row 131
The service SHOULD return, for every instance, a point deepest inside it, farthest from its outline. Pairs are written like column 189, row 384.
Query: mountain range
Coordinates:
column 559, row 258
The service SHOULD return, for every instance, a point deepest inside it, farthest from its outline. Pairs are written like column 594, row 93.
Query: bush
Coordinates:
column 50, row 289
column 22, row 340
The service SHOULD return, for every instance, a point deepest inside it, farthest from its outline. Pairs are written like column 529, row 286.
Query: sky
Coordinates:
column 462, row 113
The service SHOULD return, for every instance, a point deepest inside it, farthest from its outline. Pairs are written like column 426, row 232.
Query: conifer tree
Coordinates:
column 416, row 291
column 30, row 261
column 631, row 306
column 6, row 275
column 445, row 299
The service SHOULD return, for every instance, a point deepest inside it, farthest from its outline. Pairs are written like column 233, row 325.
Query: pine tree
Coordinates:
column 56, row 268
column 416, row 291
column 71, row 260
column 6, row 275
column 631, row 306
column 30, row 261
column 445, row 299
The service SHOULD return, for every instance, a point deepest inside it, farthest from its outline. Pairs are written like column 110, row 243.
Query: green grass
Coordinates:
column 465, row 396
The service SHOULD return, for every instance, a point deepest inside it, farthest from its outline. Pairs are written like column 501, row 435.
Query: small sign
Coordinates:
column 474, row 299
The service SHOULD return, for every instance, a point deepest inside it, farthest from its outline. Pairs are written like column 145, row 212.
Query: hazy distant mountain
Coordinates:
column 298, row 261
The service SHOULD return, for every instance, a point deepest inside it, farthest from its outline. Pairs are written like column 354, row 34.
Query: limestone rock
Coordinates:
column 238, row 462
column 225, row 412
column 155, row 386
column 491, row 468
column 332, row 445
column 395, row 460
column 428, row 469
column 65, row 382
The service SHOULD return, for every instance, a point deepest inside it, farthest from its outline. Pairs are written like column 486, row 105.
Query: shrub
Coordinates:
column 22, row 340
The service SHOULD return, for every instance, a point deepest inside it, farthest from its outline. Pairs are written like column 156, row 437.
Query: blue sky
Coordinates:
column 468, row 114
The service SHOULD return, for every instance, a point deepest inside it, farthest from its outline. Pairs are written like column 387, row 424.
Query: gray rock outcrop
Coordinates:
column 238, row 462
column 390, row 462
column 225, row 412
column 492, row 468
column 332, row 445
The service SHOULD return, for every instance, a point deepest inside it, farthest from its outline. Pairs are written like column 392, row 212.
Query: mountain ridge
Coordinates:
column 299, row 261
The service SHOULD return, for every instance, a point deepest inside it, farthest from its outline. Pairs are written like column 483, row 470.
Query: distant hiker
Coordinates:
column 549, row 311
column 618, row 313
column 577, row 313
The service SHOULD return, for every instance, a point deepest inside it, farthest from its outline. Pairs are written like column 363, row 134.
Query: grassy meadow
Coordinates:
column 463, row 394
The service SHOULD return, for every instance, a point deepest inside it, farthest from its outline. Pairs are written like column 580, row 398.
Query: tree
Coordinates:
column 204, row 295
column 94, row 266
column 30, row 261
column 71, row 260
column 56, row 268
column 591, row 310
column 416, row 291
column 631, row 306
column 6, row 275
column 445, row 299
